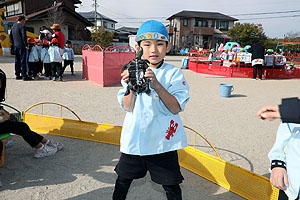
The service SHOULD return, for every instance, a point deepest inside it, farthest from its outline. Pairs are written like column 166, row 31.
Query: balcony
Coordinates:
column 203, row 30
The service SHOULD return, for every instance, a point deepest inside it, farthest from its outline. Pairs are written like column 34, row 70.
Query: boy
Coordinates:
column 152, row 130
column 68, row 57
column 285, row 158
column 45, row 58
column 55, row 54
column 33, row 59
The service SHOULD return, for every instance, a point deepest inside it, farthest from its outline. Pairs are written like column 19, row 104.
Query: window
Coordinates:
column 13, row 9
column 217, row 25
column 212, row 23
column 224, row 25
column 105, row 24
column 201, row 23
column 185, row 22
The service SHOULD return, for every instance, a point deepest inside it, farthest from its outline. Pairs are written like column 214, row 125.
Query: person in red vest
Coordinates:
column 58, row 34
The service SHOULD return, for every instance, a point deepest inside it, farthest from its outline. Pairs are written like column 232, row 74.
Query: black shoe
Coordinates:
column 19, row 78
column 27, row 78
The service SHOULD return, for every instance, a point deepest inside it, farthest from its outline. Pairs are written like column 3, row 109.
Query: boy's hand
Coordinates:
column 153, row 81
column 125, row 76
column 269, row 112
column 278, row 177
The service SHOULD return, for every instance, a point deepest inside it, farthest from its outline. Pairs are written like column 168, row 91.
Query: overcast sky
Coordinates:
column 132, row 13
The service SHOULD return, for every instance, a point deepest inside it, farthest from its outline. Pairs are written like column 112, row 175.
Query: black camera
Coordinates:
column 137, row 69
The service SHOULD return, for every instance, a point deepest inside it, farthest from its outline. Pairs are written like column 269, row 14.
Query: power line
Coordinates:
column 267, row 13
column 271, row 17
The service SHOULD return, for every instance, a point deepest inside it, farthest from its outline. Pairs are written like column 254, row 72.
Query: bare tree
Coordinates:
column 292, row 35
column 55, row 16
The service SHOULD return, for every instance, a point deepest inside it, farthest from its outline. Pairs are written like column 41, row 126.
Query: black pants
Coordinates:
column 56, row 67
column 283, row 196
column 259, row 68
column 122, row 185
column 20, row 62
column 47, row 67
column 40, row 66
column 68, row 62
column 33, row 69
column 22, row 129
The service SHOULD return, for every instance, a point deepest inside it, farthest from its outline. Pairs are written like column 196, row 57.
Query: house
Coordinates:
column 101, row 20
column 189, row 29
column 43, row 13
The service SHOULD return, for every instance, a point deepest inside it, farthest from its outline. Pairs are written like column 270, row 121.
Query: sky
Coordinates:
column 285, row 17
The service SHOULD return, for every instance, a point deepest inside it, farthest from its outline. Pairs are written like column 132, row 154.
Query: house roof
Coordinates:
column 127, row 30
column 42, row 13
column 203, row 15
column 91, row 15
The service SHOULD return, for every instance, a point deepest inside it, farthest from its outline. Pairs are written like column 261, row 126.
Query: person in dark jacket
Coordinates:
column 18, row 38
column 288, row 111
column 258, row 55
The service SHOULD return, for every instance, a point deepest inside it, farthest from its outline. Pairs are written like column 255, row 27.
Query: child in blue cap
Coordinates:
column 152, row 130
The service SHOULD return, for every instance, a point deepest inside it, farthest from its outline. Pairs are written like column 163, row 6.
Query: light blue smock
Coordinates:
column 45, row 57
column 151, row 128
column 55, row 54
column 68, row 54
column 39, row 50
column 33, row 55
column 287, row 149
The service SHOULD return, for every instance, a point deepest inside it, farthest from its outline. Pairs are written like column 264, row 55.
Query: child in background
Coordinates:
column 68, row 57
column 152, row 129
column 33, row 58
column 39, row 50
column 55, row 54
column 45, row 58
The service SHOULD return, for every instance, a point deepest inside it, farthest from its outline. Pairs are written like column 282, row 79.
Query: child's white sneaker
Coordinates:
column 55, row 144
column 44, row 151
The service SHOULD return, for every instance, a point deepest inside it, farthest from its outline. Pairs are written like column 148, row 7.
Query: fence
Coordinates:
column 103, row 65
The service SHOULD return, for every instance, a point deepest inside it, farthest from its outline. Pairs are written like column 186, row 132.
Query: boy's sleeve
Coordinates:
column 179, row 88
column 284, row 134
column 121, row 94
column 43, row 54
column 35, row 53
column 72, row 53
column 290, row 110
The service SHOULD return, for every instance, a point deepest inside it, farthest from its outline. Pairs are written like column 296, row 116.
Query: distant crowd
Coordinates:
column 41, row 58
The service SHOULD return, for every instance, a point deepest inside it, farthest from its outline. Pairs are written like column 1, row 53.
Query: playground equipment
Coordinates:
column 239, row 65
column 213, row 168
column 5, row 43
column 103, row 65
column 4, row 38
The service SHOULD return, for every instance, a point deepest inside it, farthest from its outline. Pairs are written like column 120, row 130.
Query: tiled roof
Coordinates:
column 202, row 15
column 91, row 15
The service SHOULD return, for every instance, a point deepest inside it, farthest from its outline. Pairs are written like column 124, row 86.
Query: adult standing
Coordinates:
column 258, row 55
column 18, row 38
column 58, row 34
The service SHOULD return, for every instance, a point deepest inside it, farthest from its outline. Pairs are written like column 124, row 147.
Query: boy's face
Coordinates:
column 68, row 45
column 154, row 51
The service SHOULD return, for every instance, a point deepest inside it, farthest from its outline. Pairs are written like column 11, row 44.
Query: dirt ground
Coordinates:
column 85, row 170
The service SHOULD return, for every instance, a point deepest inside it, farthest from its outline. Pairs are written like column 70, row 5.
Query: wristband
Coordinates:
column 278, row 163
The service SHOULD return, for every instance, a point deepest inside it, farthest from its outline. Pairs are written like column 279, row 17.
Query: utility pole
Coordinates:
column 95, row 12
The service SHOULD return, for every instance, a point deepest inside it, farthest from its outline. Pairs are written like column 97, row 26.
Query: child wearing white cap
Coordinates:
column 152, row 130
